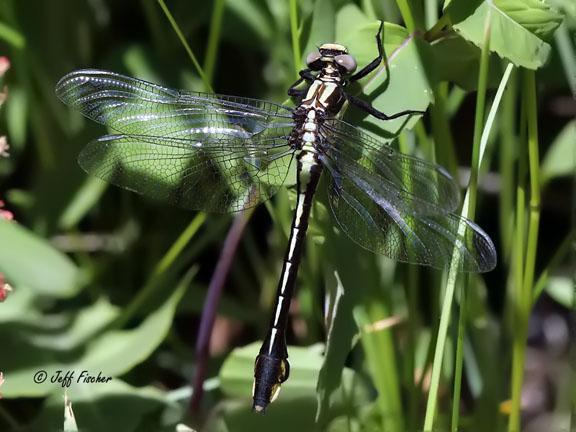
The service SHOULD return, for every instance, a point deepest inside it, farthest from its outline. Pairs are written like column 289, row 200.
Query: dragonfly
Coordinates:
column 224, row 154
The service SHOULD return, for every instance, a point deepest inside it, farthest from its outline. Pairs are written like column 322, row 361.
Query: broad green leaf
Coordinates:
column 358, row 33
column 535, row 15
column 404, row 85
column 21, row 310
column 518, row 28
column 282, row 416
column 111, row 354
column 86, row 325
column 17, row 117
column 560, row 160
column 29, row 261
column 12, row 36
column 339, row 339
column 138, row 63
column 236, row 376
column 322, row 27
column 457, row 60
column 88, row 194
column 344, row 423
column 561, row 289
column 112, row 406
column 254, row 16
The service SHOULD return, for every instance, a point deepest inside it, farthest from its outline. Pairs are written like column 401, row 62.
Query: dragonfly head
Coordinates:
column 331, row 54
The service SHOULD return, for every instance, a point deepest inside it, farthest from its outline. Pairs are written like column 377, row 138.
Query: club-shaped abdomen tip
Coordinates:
column 260, row 403
column 269, row 374
column 257, row 408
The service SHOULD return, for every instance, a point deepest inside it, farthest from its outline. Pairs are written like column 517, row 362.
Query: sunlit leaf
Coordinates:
column 105, row 407
column 560, row 160
column 30, row 262
column 519, row 29
column 109, row 355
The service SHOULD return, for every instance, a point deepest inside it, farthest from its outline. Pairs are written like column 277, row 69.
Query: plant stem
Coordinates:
column 436, row 31
column 297, row 55
column 507, row 159
column 184, row 43
column 407, row 15
column 523, row 300
column 211, row 303
column 560, row 254
column 440, row 122
column 213, row 39
column 467, row 211
column 379, row 350
column 459, row 360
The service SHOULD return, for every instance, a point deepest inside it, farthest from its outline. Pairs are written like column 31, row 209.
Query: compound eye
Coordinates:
column 346, row 61
column 313, row 60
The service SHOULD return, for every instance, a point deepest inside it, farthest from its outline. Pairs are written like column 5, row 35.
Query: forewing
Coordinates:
column 394, row 223
column 217, row 175
column 426, row 182
column 134, row 107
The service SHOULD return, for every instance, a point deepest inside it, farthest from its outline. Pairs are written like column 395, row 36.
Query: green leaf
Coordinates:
column 322, row 27
column 29, row 261
column 12, row 36
column 17, row 116
column 112, row 406
column 535, row 15
column 253, row 16
column 404, row 85
column 358, row 33
column 457, row 60
column 283, row 416
column 88, row 194
column 111, row 354
column 236, row 376
column 561, row 289
column 339, row 340
column 86, row 325
column 560, row 160
column 518, row 28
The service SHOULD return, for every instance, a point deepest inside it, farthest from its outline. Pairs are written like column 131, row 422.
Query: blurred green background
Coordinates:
column 107, row 281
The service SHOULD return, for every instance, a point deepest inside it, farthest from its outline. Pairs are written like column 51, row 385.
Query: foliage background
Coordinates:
column 107, row 281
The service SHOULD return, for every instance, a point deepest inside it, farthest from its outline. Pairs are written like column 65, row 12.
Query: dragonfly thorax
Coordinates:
column 325, row 93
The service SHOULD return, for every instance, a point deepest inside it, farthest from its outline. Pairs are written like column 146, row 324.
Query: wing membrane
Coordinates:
column 135, row 107
column 221, row 175
column 423, row 181
column 397, row 224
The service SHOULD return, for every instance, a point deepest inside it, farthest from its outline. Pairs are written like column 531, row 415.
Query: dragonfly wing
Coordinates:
column 134, row 107
column 426, row 182
column 218, row 175
column 392, row 222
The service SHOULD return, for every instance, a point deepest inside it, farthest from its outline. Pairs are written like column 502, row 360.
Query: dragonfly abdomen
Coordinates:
column 271, row 367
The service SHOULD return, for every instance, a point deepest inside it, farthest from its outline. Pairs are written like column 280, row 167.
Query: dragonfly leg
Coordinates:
column 374, row 63
column 292, row 91
column 368, row 108
column 305, row 75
